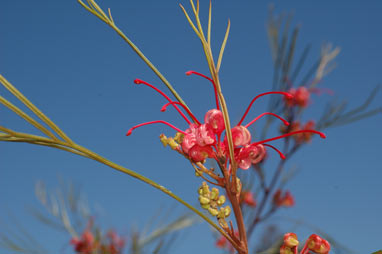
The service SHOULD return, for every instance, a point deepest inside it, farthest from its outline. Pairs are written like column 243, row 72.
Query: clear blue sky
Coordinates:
column 80, row 73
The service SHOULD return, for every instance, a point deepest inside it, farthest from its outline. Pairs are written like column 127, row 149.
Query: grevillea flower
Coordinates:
column 85, row 244
column 115, row 244
column 286, row 199
column 301, row 97
column 314, row 243
column 204, row 140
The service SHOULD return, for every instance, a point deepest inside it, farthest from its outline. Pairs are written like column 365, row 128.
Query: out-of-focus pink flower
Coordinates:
column 116, row 243
column 300, row 97
column 283, row 199
column 84, row 245
column 248, row 199
column 223, row 243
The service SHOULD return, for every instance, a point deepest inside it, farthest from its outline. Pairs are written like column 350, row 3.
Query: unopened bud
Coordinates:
column 205, row 188
column 203, row 200
column 214, row 194
column 179, row 137
column 227, row 211
column 221, row 200
column 213, row 211
column 172, row 143
column 206, row 206
column 163, row 139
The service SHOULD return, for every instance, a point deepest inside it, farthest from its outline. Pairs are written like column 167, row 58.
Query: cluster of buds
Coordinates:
column 201, row 141
column 304, row 137
column 314, row 243
column 283, row 199
column 211, row 201
column 89, row 244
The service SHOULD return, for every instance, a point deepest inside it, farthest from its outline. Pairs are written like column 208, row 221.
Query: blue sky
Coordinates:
column 80, row 73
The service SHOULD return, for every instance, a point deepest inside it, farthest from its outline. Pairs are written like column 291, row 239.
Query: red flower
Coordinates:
column 286, row 200
column 300, row 97
column 248, row 199
column 84, row 245
column 314, row 243
column 203, row 140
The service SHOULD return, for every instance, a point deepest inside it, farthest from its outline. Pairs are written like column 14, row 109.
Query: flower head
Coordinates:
column 314, row 243
column 205, row 140
column 85, row 244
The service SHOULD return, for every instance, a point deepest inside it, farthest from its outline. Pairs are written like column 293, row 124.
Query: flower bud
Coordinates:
column 172, row 143
column 214, row 194
column 290, row 240
column 205, row 189
column 206, row 206
column 227, row 211
column 213, row 211
column 204, row 200
column 179, row 137
column 221, row 200
column 163, row 139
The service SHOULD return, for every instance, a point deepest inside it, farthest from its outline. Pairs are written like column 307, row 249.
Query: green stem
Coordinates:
column 82, row 151
column 111, row 23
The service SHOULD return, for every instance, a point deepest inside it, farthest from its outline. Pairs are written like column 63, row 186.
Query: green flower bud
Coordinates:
column 171, row 142
column 163, row 139
column 213, row 211
column 203, row 200
column 227, row 211
column 206, row 189
column 221, row 200
column 206, row 206
column 179, row 137
column 214, row 194
column 221, row 214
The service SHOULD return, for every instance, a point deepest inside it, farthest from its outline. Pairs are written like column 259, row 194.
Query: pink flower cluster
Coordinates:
column 201, row 141
column 88, row 244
